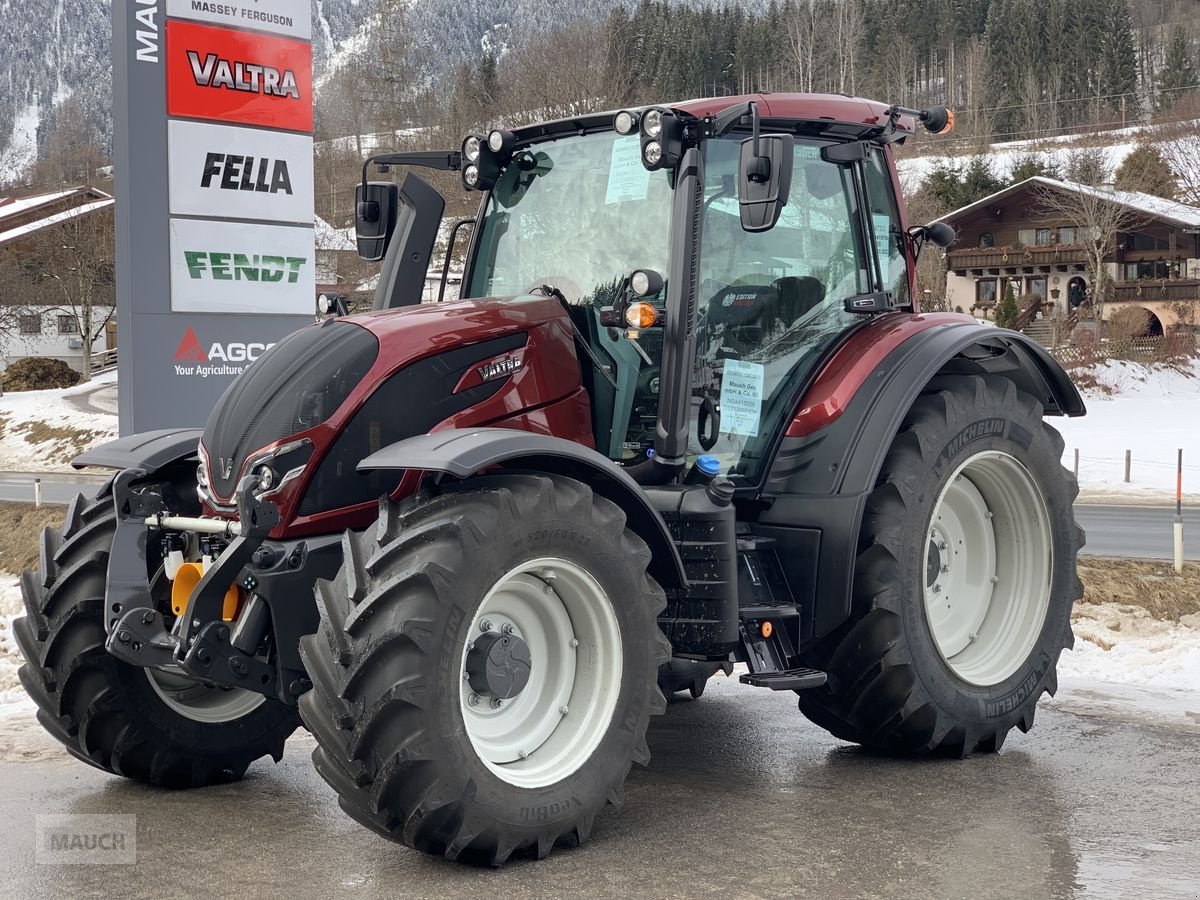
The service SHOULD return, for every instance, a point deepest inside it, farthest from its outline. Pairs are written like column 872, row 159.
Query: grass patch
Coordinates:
column 63, row 443
column 1153, row 586
column 21, row 525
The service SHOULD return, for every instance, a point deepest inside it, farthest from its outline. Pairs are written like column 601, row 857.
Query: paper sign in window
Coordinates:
column 628, row 179
column 741, row 397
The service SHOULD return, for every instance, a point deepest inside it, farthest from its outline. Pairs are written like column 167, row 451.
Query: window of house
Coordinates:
column 1135, row 271
column 987, row 239
column 1042, row 238
column 1068, row 235
column 1027, row 237
column 1139, row 241
column 1036, row 286
column 985, row 292
column 68, row 325
column 30, row 324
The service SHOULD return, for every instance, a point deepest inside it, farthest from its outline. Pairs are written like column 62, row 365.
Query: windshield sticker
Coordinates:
column 628, row 179
column 741, row 397
column 883, row 242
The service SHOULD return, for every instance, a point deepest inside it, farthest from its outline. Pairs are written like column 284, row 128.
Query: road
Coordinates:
column 1142, row 532
column 743, row 798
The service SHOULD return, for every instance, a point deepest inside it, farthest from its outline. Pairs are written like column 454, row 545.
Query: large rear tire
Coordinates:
column 485, row 667
column 162, row 728
column 964, row 580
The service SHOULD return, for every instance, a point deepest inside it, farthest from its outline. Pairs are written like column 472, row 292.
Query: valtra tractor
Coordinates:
column 688, row 413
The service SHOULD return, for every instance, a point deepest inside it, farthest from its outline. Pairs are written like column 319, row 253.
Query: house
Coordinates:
column 56, row 268
column 1023, row 236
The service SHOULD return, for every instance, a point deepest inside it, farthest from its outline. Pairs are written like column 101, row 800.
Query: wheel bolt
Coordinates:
column 941, row 545
column 945, row 567
column 563, row 709
column 937, row 588
column 524, row 754
column 473, row 700
column 574, row 642
column 506, row 629
column 123, row 637
column 995, row 579
column 497, row 703
column 485, row 625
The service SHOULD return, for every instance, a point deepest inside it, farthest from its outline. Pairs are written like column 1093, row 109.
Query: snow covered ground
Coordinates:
column 1150, row 412
column 42, row 431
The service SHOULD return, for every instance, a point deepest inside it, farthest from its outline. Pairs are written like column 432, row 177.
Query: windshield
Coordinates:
column 578, row 214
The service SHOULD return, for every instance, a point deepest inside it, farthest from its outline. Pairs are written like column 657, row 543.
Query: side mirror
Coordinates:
column 764, row 179
column 375, row 205
column 939, row 234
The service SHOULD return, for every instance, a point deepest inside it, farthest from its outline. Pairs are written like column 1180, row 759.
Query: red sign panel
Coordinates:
column 234, row 76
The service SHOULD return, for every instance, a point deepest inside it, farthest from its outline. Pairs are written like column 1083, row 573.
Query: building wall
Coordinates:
column 49, row 344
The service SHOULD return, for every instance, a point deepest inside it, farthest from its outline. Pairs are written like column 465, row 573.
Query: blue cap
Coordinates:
column 650, row 453
column 708, row 464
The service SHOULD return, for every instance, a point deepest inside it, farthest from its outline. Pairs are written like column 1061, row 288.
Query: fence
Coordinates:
column 102, row 362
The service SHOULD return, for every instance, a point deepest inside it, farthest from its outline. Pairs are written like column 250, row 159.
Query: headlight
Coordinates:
column 652, row 123
column 652, row 153
column 501, row 143
column 266, row 477
column 625, row 122
column 470, row 149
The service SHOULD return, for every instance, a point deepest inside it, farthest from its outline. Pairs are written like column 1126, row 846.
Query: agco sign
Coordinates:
column 193, row 360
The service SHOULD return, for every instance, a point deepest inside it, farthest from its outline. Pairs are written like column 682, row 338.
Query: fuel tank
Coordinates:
column 329, row 395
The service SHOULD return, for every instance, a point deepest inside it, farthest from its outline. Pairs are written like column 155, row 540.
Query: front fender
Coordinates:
column 466, row 451
column 150, row 450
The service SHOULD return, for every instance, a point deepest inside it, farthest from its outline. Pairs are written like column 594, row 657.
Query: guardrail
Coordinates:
column 104, row 361
column 998, row 257
column 1158, row 289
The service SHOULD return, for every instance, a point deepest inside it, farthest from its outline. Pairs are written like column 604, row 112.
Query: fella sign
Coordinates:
column 212, row 110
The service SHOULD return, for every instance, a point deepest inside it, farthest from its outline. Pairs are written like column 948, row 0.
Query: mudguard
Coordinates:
column 467, row 451
column 819, row 481
column 149, row 450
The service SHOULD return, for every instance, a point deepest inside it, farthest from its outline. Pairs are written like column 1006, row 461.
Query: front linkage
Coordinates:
column 275, row 576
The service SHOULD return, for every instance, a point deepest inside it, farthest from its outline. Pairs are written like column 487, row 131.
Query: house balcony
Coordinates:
column 1015, row 257
column 1160, row 290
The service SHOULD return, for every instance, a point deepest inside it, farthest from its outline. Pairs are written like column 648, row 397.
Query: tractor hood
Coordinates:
column 410, row 362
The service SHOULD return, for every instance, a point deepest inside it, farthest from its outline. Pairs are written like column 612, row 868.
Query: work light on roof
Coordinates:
column 470, row 148
column 625, row 122
column 652, row 123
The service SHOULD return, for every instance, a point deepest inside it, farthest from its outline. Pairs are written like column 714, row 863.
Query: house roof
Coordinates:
column 1154, row 207
column 22, row 231
column 330, row 238
column 11, row 208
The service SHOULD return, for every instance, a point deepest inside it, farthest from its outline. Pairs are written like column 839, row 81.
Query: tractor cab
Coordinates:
column 709, row 256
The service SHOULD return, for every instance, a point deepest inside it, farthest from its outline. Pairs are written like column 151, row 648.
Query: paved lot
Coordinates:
column 743, row 799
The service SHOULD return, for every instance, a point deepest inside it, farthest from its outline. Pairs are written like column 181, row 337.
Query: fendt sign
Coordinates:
column 213, row 117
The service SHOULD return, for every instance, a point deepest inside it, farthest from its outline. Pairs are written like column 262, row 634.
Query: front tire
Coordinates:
column 964, row 581
column 485, row 667
column 157, row 727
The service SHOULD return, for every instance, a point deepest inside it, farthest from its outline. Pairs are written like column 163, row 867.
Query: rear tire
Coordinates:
column 392, row 675
column 110, row 714
column 973, row 467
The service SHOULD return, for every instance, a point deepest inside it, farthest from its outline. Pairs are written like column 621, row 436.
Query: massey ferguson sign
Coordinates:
column 212, row 109
column 235, row 76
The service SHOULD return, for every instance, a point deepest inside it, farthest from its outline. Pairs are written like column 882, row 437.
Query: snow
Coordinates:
column 330, row 238
column 16, row 207
column 22, row 147
column 1152, row 412
column 41, row 431
column 25, row 230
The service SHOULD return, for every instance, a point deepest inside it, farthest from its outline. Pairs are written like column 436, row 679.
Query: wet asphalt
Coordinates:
column 743, row 798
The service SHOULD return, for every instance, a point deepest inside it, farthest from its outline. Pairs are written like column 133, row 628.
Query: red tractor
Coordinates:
column 687, row 414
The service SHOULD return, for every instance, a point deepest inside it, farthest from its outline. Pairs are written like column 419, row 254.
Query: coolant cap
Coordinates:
column 709, row 464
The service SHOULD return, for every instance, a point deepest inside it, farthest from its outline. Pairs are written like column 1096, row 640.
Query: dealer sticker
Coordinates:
column 741, row 397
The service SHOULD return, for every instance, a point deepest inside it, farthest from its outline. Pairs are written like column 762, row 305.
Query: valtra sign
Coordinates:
column 235, row 76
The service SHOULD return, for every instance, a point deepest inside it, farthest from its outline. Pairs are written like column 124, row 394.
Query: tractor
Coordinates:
column 686, row 413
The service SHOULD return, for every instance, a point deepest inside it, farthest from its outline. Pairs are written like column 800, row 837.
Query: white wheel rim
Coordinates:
column 201, row 702
column 988, row 568
column 554, row 724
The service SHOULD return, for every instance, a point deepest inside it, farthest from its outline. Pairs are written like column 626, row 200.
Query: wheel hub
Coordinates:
column 499, row 665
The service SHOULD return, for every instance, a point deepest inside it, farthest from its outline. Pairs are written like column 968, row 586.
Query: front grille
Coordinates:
column 294, row 386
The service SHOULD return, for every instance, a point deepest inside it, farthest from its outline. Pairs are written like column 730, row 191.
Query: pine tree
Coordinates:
column 1006, row 310
column 1146, row 171
column 1118, row 73
column 1178, row 76
column 1032, row 165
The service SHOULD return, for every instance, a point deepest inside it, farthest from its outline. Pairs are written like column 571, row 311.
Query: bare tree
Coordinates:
column 1179, row 144
column 849, row 23
column 1099, row 218
column 68, row 268
column 804, row 37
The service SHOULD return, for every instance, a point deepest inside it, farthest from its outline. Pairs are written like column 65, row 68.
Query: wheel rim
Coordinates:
column 202, row 702
column 988, row 568
column 554, row 723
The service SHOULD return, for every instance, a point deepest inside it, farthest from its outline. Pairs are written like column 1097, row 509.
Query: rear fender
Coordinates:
column 466, row 452
column 820, row 480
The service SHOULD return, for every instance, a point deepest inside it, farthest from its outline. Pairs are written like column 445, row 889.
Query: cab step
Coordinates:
column 786, row 680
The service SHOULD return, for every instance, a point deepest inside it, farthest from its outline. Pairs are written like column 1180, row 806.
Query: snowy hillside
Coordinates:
column 1150, row 412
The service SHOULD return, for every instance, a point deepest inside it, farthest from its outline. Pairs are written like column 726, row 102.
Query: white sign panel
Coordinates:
column 287, row 17
column 234, row 267
column 240, row 173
